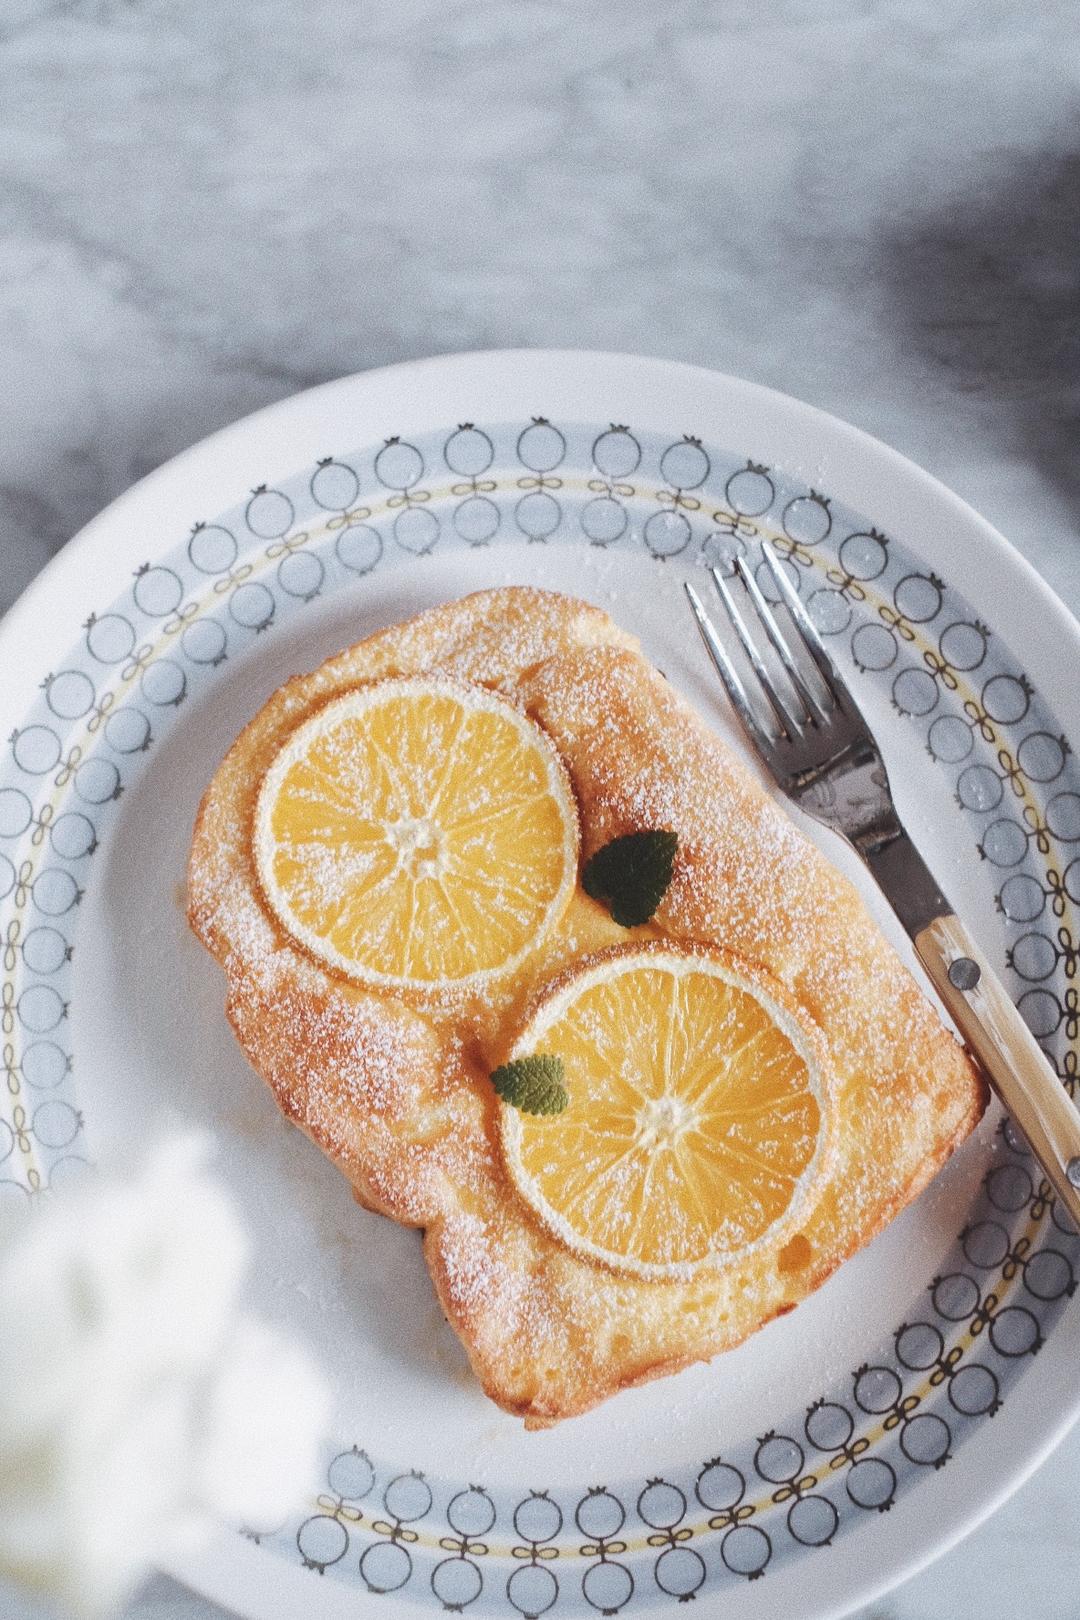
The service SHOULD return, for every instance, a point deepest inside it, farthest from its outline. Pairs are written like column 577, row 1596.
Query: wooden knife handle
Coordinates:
column 1002, row 1044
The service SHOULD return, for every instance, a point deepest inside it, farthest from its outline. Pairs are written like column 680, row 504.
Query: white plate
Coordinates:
column 846, row 1444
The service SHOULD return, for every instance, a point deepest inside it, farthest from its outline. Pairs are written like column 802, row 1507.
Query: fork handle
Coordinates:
column 1002, row 1044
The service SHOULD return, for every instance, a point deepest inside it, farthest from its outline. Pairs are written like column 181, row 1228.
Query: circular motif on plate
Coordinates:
column 407, row 1498
column 1063, row 816
column 35, row 749
column 979, row 788
column 44, row 950
column 44, row 1065
column 72, row 835
column 1004, row 842
column 477, row 520
column 541, row 447
column 533, row 1590
column 97, row 781
column 70, row 694
column 600, row 1515
column 1070, row 880
column 720, row 549
column 334, row 485
column 269, row 513
column 16, row 812
column 829, row 1426
column 680, row 1572
column 359, row 548
column 1049, row 1275
column 301, row 574
column 1041, row 756
column 915, row 692
column 350, row 1475
column 604, row 520
column 830, row 611
column 950, row 739
column 1033, row 956
column 779, row 1459
column 925, row 1439
column 55, row 892
column 468, row 451
column 538, row 1518
column 864, row 556
column 871, row 1483
column 538, row 515
column 963, row 646
column 204, row 641
column 919, row 1345
column 813, row 1520
column 416, row 529
column 661, row 1505
column 918, row 598
column 720, row 1486
column 955, row 1296
column 56, row 1124
column 1014, row 1331
column 163, row 683
column 667, row 533
column 986, row 1243
column 1006, row 699
column 399, row 465
column 110, row 638
column 471, row 1512
column 40, row 1008
column 212, row 549
column 874, row 647
column 456, row 1582
column 806, row 519
column 322, row 1541
column 750, row 491
column 746, row 1550
column 1041, row 1011
column 157, row 591
column 973, row 1390
column 127, row 730
column 877, row 1389
column 385, row 1566
column 685, row 465
column 616, row 453
column 607, row 1586
column 766, row 583
column 251, row 606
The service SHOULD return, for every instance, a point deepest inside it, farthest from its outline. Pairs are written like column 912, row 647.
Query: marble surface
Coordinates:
column 871, row 204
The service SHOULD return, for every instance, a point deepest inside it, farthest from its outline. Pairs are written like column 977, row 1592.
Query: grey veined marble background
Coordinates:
column 209, row 204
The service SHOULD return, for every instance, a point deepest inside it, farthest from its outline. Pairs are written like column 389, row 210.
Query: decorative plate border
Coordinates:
column 894, row 623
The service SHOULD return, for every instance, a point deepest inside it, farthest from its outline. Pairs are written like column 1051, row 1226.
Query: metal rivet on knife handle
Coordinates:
column 964, row 973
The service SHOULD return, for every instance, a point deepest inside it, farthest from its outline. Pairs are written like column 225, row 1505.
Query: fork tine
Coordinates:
column 803, row 623
column 730, row 677
column 790, row 724
column 813, row 705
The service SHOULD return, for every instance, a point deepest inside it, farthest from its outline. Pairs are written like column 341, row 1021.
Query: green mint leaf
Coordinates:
column 631, row 874
column 532, row 1084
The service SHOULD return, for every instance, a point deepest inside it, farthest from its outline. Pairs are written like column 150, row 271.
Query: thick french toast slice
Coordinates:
column 397, row 1092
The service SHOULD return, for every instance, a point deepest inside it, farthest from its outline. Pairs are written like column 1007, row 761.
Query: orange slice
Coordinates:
column 699, row 1111
column 417, row 833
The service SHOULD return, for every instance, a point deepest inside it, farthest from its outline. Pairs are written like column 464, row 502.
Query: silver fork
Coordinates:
column 823, row 755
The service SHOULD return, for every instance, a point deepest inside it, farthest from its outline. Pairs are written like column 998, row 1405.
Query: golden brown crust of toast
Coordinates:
column 399, row 1099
